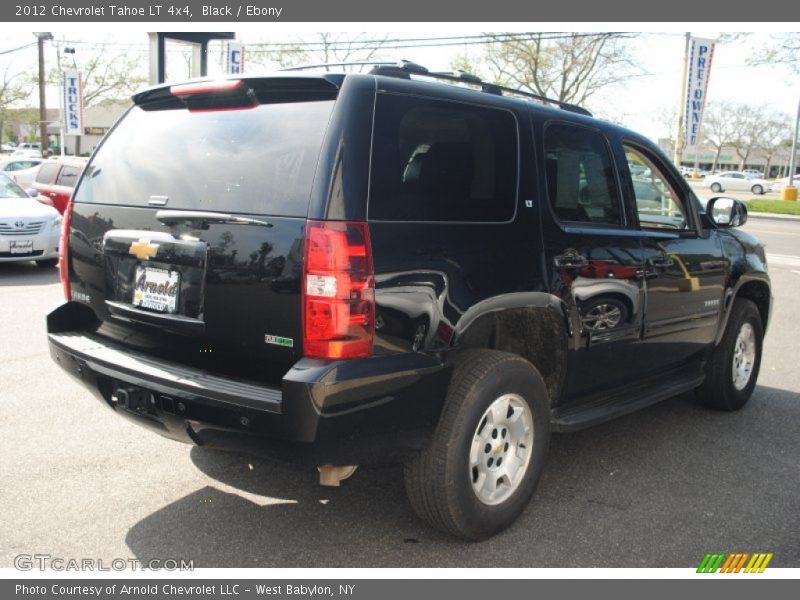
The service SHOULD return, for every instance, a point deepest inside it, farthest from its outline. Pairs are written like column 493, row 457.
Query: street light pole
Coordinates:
column 793, row 159
column 41, row 39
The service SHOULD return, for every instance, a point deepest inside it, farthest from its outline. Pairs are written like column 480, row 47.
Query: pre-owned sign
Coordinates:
column 72, row 90
column 701, row 51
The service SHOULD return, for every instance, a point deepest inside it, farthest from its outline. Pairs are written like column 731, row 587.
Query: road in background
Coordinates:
column 780, row 236
column 658, row 488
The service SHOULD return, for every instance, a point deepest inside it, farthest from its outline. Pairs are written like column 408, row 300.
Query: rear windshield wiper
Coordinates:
column 169, row 217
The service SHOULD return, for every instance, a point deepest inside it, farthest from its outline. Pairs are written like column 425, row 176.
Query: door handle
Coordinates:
column 571, row 259
column 661, row 261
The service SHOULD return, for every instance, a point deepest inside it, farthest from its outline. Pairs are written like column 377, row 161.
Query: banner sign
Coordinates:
column 72, row 101
column 235, row 61
column 701, row 52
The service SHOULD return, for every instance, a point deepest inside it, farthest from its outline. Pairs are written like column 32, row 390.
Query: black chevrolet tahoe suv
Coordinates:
column 398, row 265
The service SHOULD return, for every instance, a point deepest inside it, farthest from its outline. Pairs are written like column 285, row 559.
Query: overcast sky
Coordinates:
column 659, row 53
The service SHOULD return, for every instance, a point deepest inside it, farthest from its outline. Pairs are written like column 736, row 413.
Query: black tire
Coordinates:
column 716, row 188
column 48, row 263
column 758, row 190
column 718, row 391
column 439, row 478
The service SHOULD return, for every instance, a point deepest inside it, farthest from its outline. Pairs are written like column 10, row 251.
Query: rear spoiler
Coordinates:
column 283, row 87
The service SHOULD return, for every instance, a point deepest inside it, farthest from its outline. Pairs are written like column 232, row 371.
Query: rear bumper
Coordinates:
column 341, row 412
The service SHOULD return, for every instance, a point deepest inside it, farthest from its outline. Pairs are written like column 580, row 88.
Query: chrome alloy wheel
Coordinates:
column 602, row 317
column 501, row 449
column 744, row 356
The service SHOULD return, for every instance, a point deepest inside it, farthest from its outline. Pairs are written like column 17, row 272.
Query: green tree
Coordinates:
column 13, row 89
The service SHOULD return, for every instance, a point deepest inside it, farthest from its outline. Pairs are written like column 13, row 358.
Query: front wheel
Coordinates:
column 716, row 188
column 482, row 465
column 733, row 369
column 757, row 190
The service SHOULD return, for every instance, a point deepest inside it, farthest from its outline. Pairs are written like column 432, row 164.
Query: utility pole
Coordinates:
column 793, row 159
column 41, row 39
column 680, row 136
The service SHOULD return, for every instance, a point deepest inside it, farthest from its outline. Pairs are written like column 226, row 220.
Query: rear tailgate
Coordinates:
column 188, row 224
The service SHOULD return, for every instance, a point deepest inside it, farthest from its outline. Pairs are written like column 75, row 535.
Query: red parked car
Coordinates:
column 56, row 179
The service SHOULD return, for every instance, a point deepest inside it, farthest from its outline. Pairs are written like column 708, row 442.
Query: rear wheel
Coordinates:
column 733, row 369
column 481, row 467
column 48, row 263
column 716, row 188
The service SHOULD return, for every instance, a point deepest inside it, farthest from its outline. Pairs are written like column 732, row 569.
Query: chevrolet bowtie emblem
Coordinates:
column 143, row 249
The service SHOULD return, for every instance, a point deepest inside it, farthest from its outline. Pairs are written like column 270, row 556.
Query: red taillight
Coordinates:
column 207, row 96
column 338, row 290
column 206, row 87
column 63, row 251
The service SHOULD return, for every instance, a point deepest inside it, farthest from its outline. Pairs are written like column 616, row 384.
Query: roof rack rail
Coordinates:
column 406, row 68
column 358, row 63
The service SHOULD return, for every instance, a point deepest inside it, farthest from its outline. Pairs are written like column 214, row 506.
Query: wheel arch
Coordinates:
column 533, row 325
column 754, row 287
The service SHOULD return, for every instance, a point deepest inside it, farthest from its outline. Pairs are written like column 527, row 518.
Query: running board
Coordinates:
column 593, row 411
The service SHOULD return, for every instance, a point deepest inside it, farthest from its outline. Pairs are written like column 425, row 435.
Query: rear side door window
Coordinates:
column 581, row 182
column 68, row 176
column 436, row 160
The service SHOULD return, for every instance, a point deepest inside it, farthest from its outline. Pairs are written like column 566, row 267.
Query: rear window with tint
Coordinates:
column 442, row 161
column 258, row 161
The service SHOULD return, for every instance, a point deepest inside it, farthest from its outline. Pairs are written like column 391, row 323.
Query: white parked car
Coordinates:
column 29, row 230
column 21, row 169
column 26, row 149
column 736, row 181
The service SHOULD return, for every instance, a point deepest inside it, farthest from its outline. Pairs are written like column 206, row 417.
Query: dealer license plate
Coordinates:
column 156, row 289
column 21, row 247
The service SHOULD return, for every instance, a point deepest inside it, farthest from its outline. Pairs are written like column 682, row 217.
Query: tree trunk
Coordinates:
column 716, row 159
column 767, row 166
column 77, row 145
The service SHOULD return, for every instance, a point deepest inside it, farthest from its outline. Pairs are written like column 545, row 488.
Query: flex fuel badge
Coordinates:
column 276, row 340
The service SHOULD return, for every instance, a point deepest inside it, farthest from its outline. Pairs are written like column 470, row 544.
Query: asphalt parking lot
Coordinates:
column 658, row 488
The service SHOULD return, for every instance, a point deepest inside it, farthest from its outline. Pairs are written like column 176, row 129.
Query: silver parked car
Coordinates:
column 29, row 230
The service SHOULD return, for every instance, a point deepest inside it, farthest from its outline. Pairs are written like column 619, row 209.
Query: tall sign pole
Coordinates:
column 680, row 134
column 701, row 55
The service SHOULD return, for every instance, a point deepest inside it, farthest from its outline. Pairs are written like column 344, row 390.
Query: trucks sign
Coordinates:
column 72, row 101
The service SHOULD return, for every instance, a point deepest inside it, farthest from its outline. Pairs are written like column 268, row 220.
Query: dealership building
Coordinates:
column 729, row 160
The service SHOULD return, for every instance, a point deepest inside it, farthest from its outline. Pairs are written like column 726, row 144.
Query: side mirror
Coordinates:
column 727, row 212
column 32, row 192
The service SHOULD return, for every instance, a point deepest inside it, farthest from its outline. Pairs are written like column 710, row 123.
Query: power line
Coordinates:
column 525, row 35
column 18, row 48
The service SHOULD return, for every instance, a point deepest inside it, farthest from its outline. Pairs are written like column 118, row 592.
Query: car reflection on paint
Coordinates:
column 604, row 294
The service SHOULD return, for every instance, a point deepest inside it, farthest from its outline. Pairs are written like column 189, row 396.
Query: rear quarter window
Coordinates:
column 47, row 173
column 435, row 160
